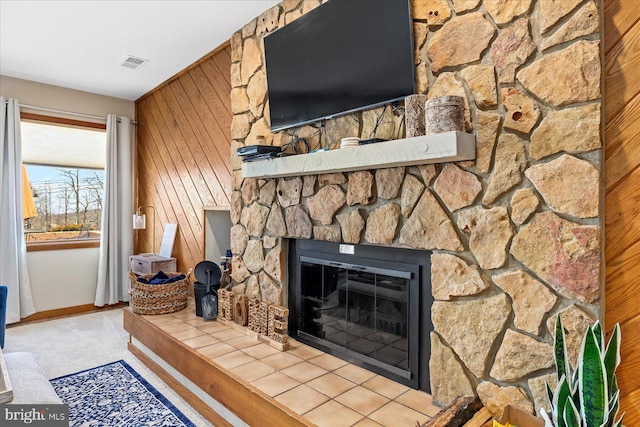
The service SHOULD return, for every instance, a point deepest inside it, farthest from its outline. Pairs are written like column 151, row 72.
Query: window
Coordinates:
column 64, row 163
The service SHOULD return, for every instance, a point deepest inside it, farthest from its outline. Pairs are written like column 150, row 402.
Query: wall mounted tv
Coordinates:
column 343, row 56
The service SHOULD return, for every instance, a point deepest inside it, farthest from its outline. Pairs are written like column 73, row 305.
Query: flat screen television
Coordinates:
column 343, row 56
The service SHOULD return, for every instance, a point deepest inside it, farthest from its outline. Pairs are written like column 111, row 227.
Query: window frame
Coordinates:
column 61, row 244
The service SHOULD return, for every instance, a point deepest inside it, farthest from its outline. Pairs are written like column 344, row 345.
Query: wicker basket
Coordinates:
column 158, row 299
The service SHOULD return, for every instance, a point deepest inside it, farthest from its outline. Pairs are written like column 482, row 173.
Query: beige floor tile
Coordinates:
column 260, row 351
column 233, row 359
column 331, row 384
column 367, row 422
column 385, row 386
column 301, row 399
column 396, row 415
column 198, row 321
column 253, row 371
column 328, row 362
column 293, row 343
column 355, row 373
column 305, row 352
column 161, row 319
column 176, row 327
column 242, row 342
column 186, row 314
column 215, row 350
column 201, row 341
column 213, row 327
column 187, row 334
column 333, row 414
column 227, row 334
column 362, row 400
column 275, row 384
column 418, row 401
column 304, row 371
column 281, row 360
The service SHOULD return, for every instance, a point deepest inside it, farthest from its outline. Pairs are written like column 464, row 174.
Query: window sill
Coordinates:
column 63, row 245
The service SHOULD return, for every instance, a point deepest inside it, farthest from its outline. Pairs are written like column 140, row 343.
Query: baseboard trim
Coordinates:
column 66, row 312
column 205, row 410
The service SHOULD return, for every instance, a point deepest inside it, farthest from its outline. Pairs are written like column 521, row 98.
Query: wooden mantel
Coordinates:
column 438, row 148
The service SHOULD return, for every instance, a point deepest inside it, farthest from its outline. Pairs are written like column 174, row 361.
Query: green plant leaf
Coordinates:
column 612, row 357
column 575, row 391
column 571, row 415
column 549, row 393
column 594, row 401
column 560, row 351
column 560, row 397
column 546, row 417
column 614, row 406
column 614, row 386
column 619, row 422
column 597, row 331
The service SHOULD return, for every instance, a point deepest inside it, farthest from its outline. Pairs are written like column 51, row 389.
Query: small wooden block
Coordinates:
column 253, row 322
column 240, row 312
column 279, row 311
column 480, row 419
column 263, row 316
column 252, row 334
column 225, row 299
column 458, row 413
column 281, row 325
column 281, row 338
column 277, row 345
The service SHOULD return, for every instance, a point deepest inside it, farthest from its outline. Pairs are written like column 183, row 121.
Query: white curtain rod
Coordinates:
column 72, row 113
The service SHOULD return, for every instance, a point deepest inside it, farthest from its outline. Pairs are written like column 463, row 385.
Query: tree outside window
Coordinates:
column 65, row 169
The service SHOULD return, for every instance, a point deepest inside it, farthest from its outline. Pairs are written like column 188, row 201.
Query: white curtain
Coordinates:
column 13, row 251
column 116, row 243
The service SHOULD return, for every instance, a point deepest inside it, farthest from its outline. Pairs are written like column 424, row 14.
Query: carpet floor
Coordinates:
column 71, row 344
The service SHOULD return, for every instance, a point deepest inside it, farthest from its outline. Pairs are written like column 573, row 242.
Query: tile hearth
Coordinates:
column 323, row 389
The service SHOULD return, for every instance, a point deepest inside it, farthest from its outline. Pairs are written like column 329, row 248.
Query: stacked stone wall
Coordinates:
column 516, row 234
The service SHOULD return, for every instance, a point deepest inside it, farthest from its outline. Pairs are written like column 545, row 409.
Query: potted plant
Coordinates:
column 588, row 396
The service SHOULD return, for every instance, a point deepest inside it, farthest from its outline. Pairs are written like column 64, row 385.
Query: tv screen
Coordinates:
column 343, row 56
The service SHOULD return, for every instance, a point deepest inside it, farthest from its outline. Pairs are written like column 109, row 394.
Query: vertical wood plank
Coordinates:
column 620, row 16
column 622, row 199
column 620, row 65
column 622, row 150
column 183, row 153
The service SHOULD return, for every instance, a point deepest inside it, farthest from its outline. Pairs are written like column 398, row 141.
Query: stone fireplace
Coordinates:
column 515, row 235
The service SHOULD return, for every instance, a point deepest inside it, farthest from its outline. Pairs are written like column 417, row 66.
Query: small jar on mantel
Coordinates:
column 444, row 114
column 414, row 114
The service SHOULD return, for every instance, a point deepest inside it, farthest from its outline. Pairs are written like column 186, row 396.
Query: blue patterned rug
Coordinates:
column 115, row 395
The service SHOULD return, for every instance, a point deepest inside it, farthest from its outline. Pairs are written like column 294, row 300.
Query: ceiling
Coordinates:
column 81, row 44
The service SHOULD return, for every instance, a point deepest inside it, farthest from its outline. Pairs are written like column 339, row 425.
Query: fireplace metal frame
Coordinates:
column 415, row 266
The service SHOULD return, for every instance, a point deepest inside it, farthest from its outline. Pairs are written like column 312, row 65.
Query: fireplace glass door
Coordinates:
column 358, row 309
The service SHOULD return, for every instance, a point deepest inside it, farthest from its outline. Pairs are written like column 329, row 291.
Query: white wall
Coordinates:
column 217, row 233
column 63, row 278
column 59, row 98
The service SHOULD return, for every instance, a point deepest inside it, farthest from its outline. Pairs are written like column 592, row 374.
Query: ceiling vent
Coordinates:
column 133, row 62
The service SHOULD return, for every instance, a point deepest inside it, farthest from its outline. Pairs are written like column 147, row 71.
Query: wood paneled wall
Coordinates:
column 622, row 191
column 182, row 155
